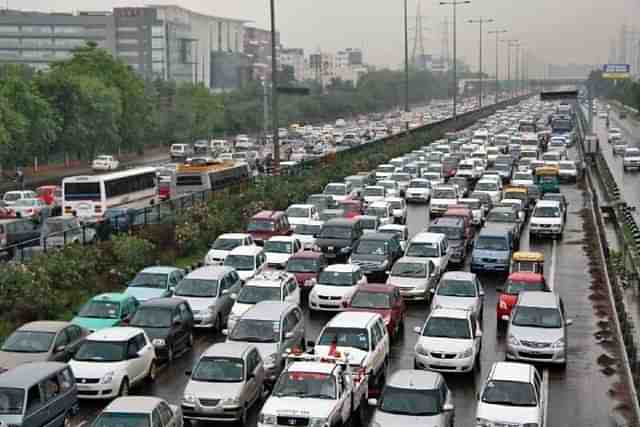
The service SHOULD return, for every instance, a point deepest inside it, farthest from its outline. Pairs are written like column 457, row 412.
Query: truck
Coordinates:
column 317, row 391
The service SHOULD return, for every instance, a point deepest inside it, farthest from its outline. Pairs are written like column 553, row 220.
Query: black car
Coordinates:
column 169, row 324
column 453, row 228
column 338, row 236
column 375, row 253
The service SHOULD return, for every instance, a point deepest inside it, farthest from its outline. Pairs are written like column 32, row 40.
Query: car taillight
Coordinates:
column 67, row 209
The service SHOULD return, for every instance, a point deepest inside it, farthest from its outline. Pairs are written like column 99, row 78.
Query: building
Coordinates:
column 325, row 67
column 257, row 47
column 293, row 58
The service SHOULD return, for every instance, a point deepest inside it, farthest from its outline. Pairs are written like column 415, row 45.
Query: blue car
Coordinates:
column 492, row 250
column 155, row 282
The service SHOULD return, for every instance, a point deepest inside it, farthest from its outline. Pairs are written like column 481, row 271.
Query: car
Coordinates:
column 442, row 197
column 398, row 209
column 618, row 146
column 154, row 282
column 458, row 238
column 340, row 191
column 279, row 249
column 433, row 246
column 335, row 284
column 59, row 231
column 105, row 163
column 369, row 223
column 227, row 375
column 384, row 300
column 511, row 395
column 462, row 183
column 361, row 335
column 522, row 177
column 308, row 233
column 266, row 224
column 450, row 341
column 273, row 327
column 301, row 214
column 247, row 261
column 306, row 267
column 460, row 290
column 515, row 204
column 30, row 208
column 168, row 322
column 537, row 330
column 374, row 193
column 560, row 198
column 140, row 411
column 224, row 244
column 490, row 187
column 547, row 219
column 351, row 207
column 41, row 341
column 477, row 211
column 106, row 311
column 267, row 286
column 631, row 158
column 403, row 179
column 208, row 291
column 400, row 231
column 492, row 250
column 382, row 210
column 337, row 237
column 180, row 152
column 375, row 253
column 413, row 397
column 552, row 157
column 321, row 201
column 508, row 293
column 507, row 217
column 392, row 189
column 11, row 197
column 419, row 191
column 112, row 361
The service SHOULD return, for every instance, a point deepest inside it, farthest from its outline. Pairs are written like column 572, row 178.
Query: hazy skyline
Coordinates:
column 568, row 31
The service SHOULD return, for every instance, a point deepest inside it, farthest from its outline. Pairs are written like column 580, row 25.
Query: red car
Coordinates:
column 516, row 283
column 5, row 211
column 382, row 299
column 267, row 224
column 50, row 194
column 351, row 207
column 306, row 266
column 461, row 211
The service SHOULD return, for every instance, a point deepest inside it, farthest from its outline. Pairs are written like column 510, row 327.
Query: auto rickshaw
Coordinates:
column 517, row 192
column 548, row 179
column 532, row 262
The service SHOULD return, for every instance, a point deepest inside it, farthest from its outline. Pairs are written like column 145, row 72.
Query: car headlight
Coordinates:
column 211, row 310
column 158, row 342
column 559, row 343
column 108, row 377
column 467, row 353
column 267, row 419
column 345, row 249
column 482, row 422
column 231, row 401
column 513, row 340
column 189, row 399
column 318, row 422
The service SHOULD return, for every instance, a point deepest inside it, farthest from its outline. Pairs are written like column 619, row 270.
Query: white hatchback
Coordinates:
column 335, row 284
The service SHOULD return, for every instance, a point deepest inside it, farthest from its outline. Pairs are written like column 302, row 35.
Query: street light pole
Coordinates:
column 274, row 90
column 454, row 5
column 510, row 44
column 480, row 22
column 406, row 59
column 497, row 34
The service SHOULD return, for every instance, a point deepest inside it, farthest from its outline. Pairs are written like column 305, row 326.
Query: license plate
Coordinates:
column 330, row 248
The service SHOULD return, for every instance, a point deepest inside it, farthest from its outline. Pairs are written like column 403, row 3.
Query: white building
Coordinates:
column 293, row 58
column 324, row 67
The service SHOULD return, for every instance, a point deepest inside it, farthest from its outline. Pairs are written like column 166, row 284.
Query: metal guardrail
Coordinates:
column 167, row 211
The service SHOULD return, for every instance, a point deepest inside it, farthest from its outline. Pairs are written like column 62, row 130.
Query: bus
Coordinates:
column 89, row 196
column 212, row 175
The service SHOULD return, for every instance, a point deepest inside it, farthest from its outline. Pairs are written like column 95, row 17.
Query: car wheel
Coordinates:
column 153, row 372
column 218, row 325
column 124, row 388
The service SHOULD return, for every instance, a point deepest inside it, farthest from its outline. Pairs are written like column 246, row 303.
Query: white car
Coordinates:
column 631, row 158
column 568, row 171
column 307, row 233
column 432, row 246
column 434, row 178
column 398, row 209
column 384, row 171
column 111, row 361
column 522, row 178
column 247, row 261
column 279, row 249
column 224, row 244
column 335, row 284
column 547, row 219
column 419, row 191
column 442, row 197
column 267, row 286
column 459, row 290
column 29, row 208
column 490, row 187
column 301, row 214
column 552, row 157
column 511, row 396
column 403, row 179
column 105, row 163
column 477, row 211
column 339, row 191
column 374, row 193
column 391, row 187
column 450, row 341
column 11, row 197
column 382, row 210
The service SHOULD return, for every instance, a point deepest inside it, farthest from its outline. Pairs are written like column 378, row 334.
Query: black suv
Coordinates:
column 457, row 239
column 337, row 237
column 375, row 253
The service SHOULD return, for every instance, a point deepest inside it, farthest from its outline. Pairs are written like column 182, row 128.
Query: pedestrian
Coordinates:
column 20, row 178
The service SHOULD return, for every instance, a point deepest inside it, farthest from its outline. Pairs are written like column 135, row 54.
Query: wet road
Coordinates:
column 577, row 396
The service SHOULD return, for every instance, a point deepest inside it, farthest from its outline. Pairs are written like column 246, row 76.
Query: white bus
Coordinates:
column 89, row 196
column 210, row 176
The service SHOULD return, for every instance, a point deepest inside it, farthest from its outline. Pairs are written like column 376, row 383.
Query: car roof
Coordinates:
column 526, row 276
column 161, row 302
column 458, row 275
column 376, row 236
column 414, row 260
column 538, row 299
column 267, row 214
column 44, row 326
column 302, row 205
column 450, row 221
column 377, row 287
column 133, row 404
column 245, row 250
column 452, row 313
column 341, row 222
column 352, row 319
column 227, row 349
column 392, row 227
column 428, row 237
column 118, row 333
column 159, row 269
column 547, row 203
column 415, row 379
column 271, row 278
column 312, row 367
column 342, row 268
column 111, row 296
column 234, row 236
column 306, row 255
column 213, row 272
column 282, row 239
column 511, row 371
column 29, row 373
column 268, row 310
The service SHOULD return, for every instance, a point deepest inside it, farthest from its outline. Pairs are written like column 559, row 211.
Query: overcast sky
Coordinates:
column 556, row 31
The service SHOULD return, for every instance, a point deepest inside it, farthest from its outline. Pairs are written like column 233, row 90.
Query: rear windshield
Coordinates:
column 81, row 191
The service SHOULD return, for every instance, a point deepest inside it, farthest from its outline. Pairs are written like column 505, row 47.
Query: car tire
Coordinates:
column 153, row 372
column 218, row 324
column 124, row 388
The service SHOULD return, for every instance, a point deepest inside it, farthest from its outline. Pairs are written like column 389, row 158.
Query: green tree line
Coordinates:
column 625, row 91
column 93, row 103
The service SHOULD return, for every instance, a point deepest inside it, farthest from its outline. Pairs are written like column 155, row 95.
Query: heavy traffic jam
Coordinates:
column 347, row 263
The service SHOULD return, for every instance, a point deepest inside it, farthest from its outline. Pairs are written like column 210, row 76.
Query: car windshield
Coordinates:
column 409, row 269
column 420, row 249
column 345, row 337
column 202, row 288
column 29, row 342
column 255, row 294
column 297, row 212
column 546, row 212
column 400, row 177
column 419, row 184
column 122, row 419
column 278, row 247
column 502, row 216
column 240, row 262
column 567, row 166
column 101, row 351
column 396, row 204
column 472, row 204
column 509, row 393
column 333, row 232
column 537, row 317
column 149, row 280
column 523, row 176
column 219, row 370
column 413, row 402
column 11, row 401
column 371, row 247
column 385, row 168
column 152, row 317
column 260, row 225
column 486, row 186
column 335, row 189
column 452, row 233
column 443, row 194
column 308, row 229
column 514, row 287
column 370, row 223
column 226, row 244
column 336, row 278
column 306, row 384
column 457, row 288
column 303, row 265
column 371, row 300
column 11, row 197
column 374, row 191
column 447, row 327
column 253, row 330
column 100, row 310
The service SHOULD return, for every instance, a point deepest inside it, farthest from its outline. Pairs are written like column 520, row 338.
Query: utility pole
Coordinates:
column 454, row 5
column 497, row 34
column 274, row 90
column 480, row 21
column 510, row 44
column 406, row 59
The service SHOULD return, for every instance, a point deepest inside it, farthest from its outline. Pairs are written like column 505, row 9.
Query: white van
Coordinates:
column 433, row 246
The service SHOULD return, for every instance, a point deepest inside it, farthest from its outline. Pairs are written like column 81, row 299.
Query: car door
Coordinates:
column 293, row 292
column 176, row 336
column 229, row 284
column 59, row 353
column 135, row 363
column 76, row 337
column 251, row 387
column 398, row 306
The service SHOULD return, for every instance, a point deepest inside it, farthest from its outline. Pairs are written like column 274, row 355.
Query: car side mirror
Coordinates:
column 447, row 407
column 417, row 330
column 478, row 334
column 60, row 348
column 569, row 322
column 233, row 296
column 225, row 332
column 311, row 344
column 187, row 373
column 288, row 335
column 432, row 290
column 372, row 402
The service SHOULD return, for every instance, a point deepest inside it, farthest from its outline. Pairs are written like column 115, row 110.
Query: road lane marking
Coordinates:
column 545, row 391
column 552, row 273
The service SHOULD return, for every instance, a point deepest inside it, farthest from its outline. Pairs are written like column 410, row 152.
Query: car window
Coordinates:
column 50, row 388
column 382, row 329
column 141, row 341
column 132, row 347
column 61, row 339
column 34, row 399
column 234, row 276
column 65, row 378
column 165, row 413
column 177, row 317
column 375, row 337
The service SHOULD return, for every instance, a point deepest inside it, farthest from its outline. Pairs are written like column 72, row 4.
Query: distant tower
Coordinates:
column 418, row 58
column 613, row 57
column 444, row 47
column 622, row 50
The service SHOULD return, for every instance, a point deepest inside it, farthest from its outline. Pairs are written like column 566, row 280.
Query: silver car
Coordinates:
column 537, row 329
column 414, row 398
column 459, row 289
column 225, row 383
column 140, row 410
column 415, row 277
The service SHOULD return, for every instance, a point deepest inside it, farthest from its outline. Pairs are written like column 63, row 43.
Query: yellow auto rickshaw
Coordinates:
column 548, row 179
column 517, row 192
column 531, row 262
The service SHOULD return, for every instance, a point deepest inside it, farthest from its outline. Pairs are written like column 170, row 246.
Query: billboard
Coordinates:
column 616, row 71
